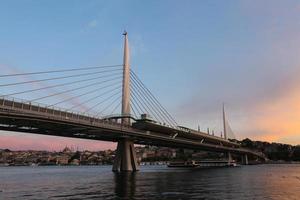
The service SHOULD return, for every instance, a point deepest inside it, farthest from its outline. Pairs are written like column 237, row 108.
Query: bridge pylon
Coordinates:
column 125, row 159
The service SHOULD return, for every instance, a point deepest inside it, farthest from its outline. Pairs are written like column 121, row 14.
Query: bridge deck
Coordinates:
column 26, row 117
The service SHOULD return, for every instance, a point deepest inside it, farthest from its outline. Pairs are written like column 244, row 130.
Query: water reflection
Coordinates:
column 125, row 184
column 152, row 182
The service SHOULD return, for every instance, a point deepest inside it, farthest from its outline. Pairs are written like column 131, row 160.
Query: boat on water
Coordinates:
column 202, row 164
column 185, row 164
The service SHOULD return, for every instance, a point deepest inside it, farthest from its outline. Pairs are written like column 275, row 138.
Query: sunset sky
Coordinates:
column 193, row 55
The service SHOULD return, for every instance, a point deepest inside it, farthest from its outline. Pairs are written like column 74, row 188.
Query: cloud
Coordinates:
column 89, row 26
column 278, row 120
column 92, row 24
column 137, row 45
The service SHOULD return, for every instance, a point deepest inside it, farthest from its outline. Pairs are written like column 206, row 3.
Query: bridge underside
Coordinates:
column 44, row 127
column 47, row 126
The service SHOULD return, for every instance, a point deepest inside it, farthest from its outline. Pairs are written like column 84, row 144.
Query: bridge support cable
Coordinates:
column 101, row 102
column 58, row 78
column 142, row 103
column 149, row 110
column 74, row 89
column 137, row 110
column 136, row 105
column 153, row 98
column 63, row 70
column 98, row 114
column 46, row 87
column 148, row 107
column 228, row 133
column 115, row 108
column 88, row 93
column 134, row 111
column 58, row 85
column 149, row 102
column 98, row 96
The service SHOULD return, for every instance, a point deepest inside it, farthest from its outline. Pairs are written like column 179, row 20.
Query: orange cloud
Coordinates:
column 278, row 120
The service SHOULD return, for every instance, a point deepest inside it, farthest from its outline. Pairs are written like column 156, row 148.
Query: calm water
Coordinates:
column 152, row 182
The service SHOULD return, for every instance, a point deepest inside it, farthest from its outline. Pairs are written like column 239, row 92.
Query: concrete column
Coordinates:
column 229, row 157
column 126, row 82
column 245, row 159
column 125, row 159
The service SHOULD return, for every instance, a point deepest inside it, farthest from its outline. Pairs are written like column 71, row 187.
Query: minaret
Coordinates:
column 126, row 82
column 224, row 123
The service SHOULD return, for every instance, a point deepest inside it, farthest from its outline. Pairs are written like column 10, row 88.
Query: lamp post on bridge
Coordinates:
column 125, row 159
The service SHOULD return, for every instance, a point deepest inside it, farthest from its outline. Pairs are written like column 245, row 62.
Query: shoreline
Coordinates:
column 144, row 164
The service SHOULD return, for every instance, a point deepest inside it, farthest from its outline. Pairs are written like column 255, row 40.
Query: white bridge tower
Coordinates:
column 125, row 159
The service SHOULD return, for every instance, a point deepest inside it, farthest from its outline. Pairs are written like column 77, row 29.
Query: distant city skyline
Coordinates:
column 192, row 55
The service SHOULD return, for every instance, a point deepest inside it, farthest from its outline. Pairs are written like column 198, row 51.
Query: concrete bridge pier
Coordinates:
column 245, row 159
column 125, row 159
column 229, row 157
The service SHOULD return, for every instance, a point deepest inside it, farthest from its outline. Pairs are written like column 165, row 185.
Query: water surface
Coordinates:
column 152, row 182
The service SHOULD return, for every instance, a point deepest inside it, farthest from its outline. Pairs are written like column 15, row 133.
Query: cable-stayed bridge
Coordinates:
column 108, row 103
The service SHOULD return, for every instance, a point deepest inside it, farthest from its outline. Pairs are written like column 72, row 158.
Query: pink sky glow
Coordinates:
column 25, row 141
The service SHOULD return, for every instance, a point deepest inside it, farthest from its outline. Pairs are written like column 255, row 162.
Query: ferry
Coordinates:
column 202, row 164
column 184, row 164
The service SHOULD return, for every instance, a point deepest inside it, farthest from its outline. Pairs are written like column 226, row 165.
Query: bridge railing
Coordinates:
column 52, row 111
column 33, row 106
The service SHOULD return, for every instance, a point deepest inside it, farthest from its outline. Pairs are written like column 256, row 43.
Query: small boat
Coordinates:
column 202, row 164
